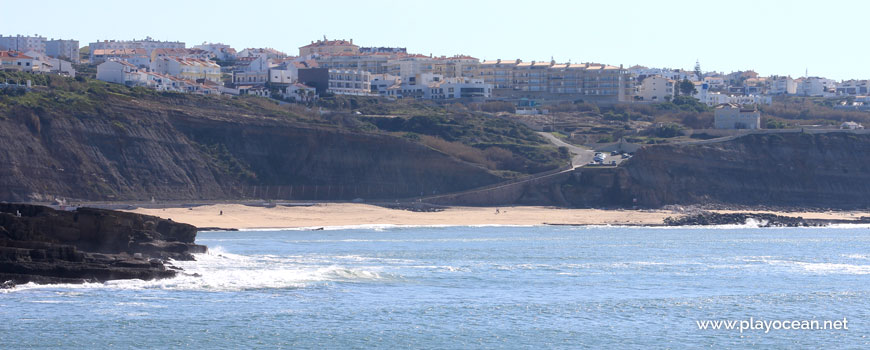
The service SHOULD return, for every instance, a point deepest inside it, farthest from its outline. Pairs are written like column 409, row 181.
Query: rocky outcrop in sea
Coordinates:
column 42, row 245
column 706, row 218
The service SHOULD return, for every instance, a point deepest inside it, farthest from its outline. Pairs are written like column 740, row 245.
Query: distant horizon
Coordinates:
column 770, row 39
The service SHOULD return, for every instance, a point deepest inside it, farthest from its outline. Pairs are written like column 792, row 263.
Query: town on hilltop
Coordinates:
column 341, row 67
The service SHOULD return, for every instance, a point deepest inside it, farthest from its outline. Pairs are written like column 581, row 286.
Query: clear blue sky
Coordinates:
column 829, row 38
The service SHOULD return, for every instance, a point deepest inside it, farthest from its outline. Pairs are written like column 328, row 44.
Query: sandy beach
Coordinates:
column 342, row 214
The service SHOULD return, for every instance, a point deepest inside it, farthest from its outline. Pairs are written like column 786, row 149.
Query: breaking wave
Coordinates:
column 221, row 271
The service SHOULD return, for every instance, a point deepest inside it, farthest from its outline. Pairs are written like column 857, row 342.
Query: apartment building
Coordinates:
column 329, row 47
column 375, row 63
column 64, row 49
column 350, row 82
column 459, row 66
column 147, row 44
column 408, row 67
column 23, row 43
column 498, row 73
column 532, row 76
column 656, row 89
column 853, row 88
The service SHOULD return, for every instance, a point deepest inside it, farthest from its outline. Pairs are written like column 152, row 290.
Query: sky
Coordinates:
column 773, row 37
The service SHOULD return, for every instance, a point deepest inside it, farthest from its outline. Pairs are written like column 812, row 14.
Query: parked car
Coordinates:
column 599, row 157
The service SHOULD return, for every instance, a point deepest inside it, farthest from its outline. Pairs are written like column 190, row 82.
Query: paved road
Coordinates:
column 581, row 156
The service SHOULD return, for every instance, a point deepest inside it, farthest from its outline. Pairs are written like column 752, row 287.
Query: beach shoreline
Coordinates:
column 245, row 217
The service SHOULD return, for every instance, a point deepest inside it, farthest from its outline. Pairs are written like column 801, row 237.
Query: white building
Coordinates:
column 350, row 82
column 14, row 60
column 252, row 70
column 221, row 52
column 817, row 87
column 63, row 49
column 385, row 84
column 656, row 89
column 715, row 82
column 119, row 72
column 45, row 64
column 853, row 88
column 781, row 86
column 459, row 87
column 851, row 126
column 732, row 116
column 300, row 92
column 22, row 43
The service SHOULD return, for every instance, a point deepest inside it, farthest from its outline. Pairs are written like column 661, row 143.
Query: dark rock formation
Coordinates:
column 794, row 170
column 765, row 220
column 43, row 245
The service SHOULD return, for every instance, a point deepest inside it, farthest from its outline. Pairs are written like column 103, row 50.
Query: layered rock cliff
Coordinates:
column 828, row 170
column 190, row 147
column 43, row 245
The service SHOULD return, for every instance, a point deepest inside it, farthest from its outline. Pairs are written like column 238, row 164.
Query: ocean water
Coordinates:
column 470, row 288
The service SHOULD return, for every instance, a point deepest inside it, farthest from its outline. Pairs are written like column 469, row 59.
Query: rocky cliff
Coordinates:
column 829, row 170
column 173, row 147
column 42, row 245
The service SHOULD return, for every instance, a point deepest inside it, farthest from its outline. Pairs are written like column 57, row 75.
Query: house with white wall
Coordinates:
column 119, row 72
column 15, row 60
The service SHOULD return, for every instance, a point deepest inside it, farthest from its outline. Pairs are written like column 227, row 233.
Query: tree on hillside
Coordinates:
column 698, row 72
column 687, row 88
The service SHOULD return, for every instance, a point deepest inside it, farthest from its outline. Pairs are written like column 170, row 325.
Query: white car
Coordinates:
column 599, row 157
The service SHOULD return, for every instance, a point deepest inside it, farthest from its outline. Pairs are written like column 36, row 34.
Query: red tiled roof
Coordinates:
column 14, row 54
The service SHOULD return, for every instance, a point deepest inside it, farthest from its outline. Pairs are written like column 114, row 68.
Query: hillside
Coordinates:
column 82, row 139
column 830, row 170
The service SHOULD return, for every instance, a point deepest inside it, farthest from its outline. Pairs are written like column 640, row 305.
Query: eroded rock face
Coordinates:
column 43, row 245
column 798, row 170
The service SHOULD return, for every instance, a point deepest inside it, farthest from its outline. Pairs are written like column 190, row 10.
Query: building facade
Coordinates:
column 22, row 43
column 14, row 60
column 733, row 116
column 63, row 49
column 350, row 82
column 656, row 89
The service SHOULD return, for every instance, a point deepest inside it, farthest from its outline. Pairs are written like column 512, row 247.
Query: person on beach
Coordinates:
column 222, row 212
